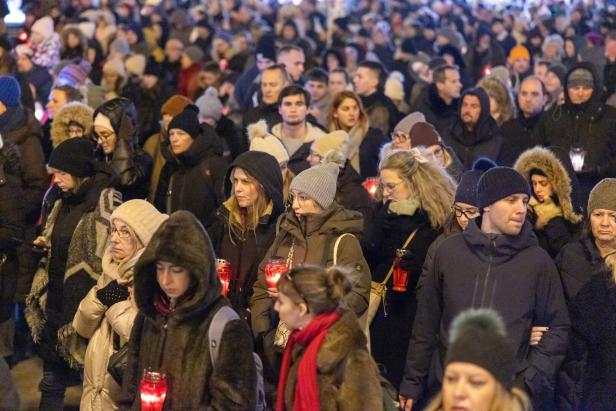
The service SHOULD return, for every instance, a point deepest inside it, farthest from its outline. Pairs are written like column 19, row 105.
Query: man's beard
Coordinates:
column 295, row 123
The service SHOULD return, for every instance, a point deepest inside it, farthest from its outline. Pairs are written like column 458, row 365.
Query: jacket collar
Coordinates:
column 498, row 247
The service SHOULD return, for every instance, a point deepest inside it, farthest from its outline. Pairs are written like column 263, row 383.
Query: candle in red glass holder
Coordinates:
column 273, row 270
column 371, row 184
column 153, row 391
column 401, row 276
column 223, row 267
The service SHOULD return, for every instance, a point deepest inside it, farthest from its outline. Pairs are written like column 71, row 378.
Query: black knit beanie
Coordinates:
column 467, row 188
column 187, row 121
column 498, row 183
column 74, row 156
column 478, row 336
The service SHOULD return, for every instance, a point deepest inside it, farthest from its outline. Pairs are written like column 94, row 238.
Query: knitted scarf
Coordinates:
column 356, row 136
column 306, row 389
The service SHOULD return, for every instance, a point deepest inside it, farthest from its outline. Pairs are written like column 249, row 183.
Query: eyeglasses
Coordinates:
column 400, row 136
column 75, row 131
column 122, row 233
column 469, row 214
column 389, row 186
column 301, row 198
column 104, row 137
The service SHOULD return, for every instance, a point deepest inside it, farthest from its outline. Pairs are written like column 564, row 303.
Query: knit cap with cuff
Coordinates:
column 209, row 104
column 141, row 216
column 478, row 336
column 74, row 156
column 498, row 183
column 187, row 121
column 10, row 93
column 581, row 77
column 424, row 134
column 466, row 192
column 175, row 105
column 319, row 183
column 603, row 196
column 262, row 140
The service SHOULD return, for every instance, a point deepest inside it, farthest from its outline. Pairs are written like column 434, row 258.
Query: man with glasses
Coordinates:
column 500, row 265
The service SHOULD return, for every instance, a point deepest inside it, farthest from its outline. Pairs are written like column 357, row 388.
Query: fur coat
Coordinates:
column 83, row 268
column 178, row 344
column 555, row 220
column 347, row 377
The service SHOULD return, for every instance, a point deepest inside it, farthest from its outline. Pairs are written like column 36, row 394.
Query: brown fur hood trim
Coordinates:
column 546, row 161
column 75, row 112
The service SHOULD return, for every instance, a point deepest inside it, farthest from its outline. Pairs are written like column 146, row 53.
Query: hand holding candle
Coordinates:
column 273, row 270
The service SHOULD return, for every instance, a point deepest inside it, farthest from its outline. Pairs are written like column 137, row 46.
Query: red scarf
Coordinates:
column 163, row 305
column 306, row 388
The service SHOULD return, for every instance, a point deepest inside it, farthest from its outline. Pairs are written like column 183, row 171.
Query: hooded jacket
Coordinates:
column 438, row 113
column 193, row 180
column 556, row 220
column 484, row 140
column 244, row 251
column 178, row 345
column 347, row 377
column 352, row 195
column 381, row 111
column 73, row 112
column 590, row 126
column 510, row 274
column 132, row 164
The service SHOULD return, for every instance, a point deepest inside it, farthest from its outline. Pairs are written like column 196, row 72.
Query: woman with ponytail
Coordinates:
column 326, row 365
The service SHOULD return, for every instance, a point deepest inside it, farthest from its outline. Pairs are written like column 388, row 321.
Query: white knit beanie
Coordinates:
column 262, row 140
column 115, row 65
column 337, row 140
column 142, row 217
column 318, row 183
column 209, row 104
column 135, row 65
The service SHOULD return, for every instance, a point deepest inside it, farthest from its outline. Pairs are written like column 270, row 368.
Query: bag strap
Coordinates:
column 391, row 269
column 217, row 326
column 337, row 244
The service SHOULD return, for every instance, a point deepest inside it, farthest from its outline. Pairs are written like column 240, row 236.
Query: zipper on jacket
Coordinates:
column 170, row 192
column 488, row 273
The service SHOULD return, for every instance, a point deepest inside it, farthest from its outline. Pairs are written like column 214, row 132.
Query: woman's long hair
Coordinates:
column 362, row 122
column 514, row 400
column 429, row 182
column 241, row 219
column 610, row 261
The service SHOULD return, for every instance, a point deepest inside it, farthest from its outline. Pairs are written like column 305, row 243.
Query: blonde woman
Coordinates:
column 479, row 376
column 347, row 114
column 245, row 224
column 417, row 197
column 105, row 316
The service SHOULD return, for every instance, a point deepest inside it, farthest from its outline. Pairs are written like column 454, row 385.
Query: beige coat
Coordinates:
column 95, row 321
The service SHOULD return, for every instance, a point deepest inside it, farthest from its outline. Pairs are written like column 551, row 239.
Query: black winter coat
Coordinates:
column 353, row 196
column 518, row 136
column 233, row 138
column 193, row 180
column 267, row 112
column 369, row 150
column 178, row 344
column 476, row 61
column 438, row 113
column 510, row 274
column 245, row 250
column 576, row 262
column 484, row 141
column 592, row 350
column 590, row 126
column 381, row 111
column 389, row 232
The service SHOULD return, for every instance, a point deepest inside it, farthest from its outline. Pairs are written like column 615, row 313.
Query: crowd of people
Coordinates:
column 287, row 206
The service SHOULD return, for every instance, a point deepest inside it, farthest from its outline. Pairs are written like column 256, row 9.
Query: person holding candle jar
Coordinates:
column 417, row 198
column 105, row 316
column 73, row 242
column 316, row 230
column 326, row 364
column 177, row 292
column 245, row 224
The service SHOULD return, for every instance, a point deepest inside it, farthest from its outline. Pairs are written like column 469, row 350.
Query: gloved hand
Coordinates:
column 112, row 293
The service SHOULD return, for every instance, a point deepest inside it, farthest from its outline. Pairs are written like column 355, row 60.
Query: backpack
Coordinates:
column 220, row 320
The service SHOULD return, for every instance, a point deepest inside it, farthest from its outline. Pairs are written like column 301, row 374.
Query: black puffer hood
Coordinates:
column 123, row 117
column 181, row 240
column 597, row 88
column 265, row 169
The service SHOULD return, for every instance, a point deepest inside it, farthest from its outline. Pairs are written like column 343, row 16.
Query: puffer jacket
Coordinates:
column 556, row 221
column 132, row 164
column 590, row 126
column 178, row 344
column 347, row 377
column 100, row 324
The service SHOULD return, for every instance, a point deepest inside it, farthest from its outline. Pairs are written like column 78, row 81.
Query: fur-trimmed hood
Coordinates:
column 181, row 240
column 72, row 112
column 546, row 161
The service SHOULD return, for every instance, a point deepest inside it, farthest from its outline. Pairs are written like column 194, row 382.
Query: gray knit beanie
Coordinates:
column 581, row 77
column 406, row 124
column 209, row 104
column 319, row 183
column 603, row 196
column 194, row 53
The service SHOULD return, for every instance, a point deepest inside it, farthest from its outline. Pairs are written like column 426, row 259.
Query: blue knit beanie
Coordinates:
column 467, row 189
column 498, row 183
column 10, row 93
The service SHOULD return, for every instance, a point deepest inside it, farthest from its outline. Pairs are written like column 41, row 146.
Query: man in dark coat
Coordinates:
column 519, row 133
column 439, row 101
column 486, row 53
column 583, row 126
column 474, row 133
column 193, row 179
column 273, row 80
column 247, row 85
column 369, row 82
column 505, row 269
